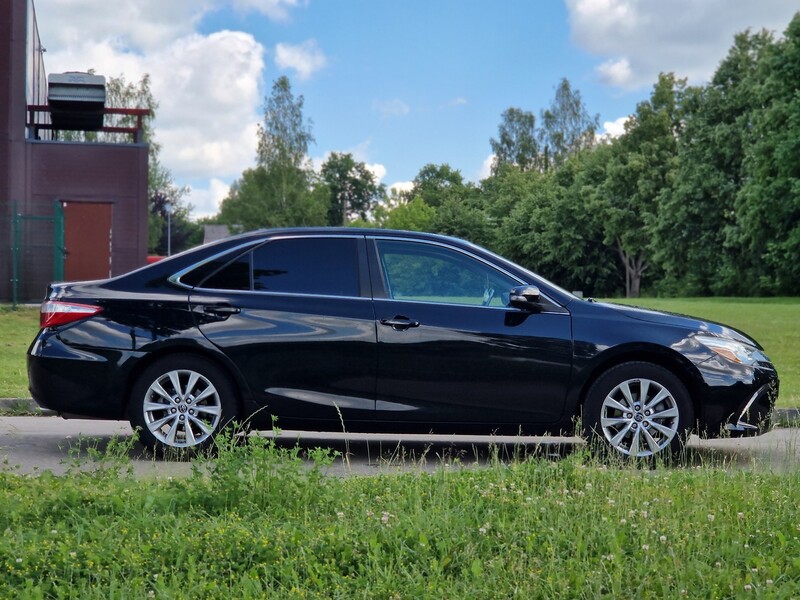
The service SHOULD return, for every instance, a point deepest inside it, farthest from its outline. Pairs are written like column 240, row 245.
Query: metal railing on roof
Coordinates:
column 136, row 133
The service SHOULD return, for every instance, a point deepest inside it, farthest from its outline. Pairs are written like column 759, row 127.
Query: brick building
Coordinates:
column 68, row 210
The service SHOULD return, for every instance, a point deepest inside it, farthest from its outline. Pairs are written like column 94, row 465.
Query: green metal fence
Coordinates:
column 33, row 238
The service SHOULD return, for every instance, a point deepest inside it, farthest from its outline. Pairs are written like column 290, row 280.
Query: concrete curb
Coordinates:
column 24, row 405
column 784, row 417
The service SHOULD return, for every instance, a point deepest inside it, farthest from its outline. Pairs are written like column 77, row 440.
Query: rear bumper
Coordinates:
column 77, row 382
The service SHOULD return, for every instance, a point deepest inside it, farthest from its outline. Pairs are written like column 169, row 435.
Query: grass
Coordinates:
column 259, row 522
column 17, row 330
column 774, row 322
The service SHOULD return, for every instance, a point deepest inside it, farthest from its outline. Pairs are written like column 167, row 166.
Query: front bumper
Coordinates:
column 736, row 400
column 756, row 415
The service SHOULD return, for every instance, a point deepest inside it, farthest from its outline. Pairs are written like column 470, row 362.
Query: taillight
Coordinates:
column 54, row 313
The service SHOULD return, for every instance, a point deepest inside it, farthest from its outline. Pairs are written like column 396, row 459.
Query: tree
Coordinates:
column 412, row 216
column 566, row 127
column 351, row 186
column 284, row 136
column 695, row 235
column 516, row 144
column 278, row 191
column 264, row 197
column 768, row 204
column 436, row 183
column 639, row 170
column 550, row 230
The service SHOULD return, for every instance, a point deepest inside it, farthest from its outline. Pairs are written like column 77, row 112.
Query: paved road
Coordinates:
column 35, row 444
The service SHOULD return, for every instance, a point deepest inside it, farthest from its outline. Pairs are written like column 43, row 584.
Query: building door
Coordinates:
column 87, row 240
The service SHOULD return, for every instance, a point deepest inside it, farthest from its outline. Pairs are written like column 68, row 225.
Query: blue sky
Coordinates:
column 398, row 84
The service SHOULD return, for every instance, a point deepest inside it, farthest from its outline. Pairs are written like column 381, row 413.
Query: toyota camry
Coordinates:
column 372, row 330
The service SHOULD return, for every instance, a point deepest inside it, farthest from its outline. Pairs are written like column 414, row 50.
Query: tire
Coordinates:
column 180, row 403
column 638, row 410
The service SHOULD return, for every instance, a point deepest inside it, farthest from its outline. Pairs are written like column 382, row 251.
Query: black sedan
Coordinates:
column 372, row 330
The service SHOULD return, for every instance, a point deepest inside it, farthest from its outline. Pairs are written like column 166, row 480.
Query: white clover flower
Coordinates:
column 711, row 518
column 662, row 539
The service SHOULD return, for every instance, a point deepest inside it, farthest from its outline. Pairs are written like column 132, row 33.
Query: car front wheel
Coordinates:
column 181, row 402
column 639, row 409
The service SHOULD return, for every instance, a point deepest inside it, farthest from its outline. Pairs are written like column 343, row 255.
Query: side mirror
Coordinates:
column 525, row 297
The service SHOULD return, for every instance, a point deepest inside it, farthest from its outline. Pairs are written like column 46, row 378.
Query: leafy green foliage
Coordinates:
column 516, row 142
column 566, row 127
column 277, row 196
column 277, row 192
column 351, row 186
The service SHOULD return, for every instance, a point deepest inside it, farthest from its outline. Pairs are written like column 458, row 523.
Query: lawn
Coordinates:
column 17, row 330
column 258, row 522
column 773, row 322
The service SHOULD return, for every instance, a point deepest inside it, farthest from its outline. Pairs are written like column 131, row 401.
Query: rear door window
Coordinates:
column 318, row 266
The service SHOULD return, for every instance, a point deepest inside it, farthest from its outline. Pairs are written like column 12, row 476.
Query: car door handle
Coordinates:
column 400, row 323
column 221, row 310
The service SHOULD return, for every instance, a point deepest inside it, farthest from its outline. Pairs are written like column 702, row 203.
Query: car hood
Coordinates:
column 699, row 325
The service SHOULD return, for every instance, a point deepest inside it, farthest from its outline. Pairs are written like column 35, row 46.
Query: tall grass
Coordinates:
column 258, row 521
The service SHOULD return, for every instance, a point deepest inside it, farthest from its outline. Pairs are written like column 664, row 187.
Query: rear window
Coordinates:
column 320, row 266
column 317, row 266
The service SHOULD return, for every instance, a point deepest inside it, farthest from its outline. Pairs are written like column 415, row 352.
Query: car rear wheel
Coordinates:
column 638, row 409
column 181, row 402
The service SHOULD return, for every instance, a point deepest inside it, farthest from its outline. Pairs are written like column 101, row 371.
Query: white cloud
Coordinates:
column 616, row 127
column 134, row 26
column 275, row 10
column 460, row 101
column 401, row 186
column 306, row 58
column 486, row 167
column 391, row 108
column 378, row 171
column 615, row 72
column 206, row 201
column 640, row 38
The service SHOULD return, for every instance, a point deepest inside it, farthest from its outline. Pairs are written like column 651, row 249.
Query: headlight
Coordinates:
column 731, row 350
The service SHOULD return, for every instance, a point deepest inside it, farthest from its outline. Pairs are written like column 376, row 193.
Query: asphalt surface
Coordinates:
column 31, row 445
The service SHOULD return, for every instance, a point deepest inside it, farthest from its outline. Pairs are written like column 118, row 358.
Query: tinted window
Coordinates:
column 235, row 276
column 320, row 266
column 430, row 273
column 200, row 275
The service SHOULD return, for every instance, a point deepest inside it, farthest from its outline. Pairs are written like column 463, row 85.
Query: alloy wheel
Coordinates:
column 182, row 408
column 639, row 417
